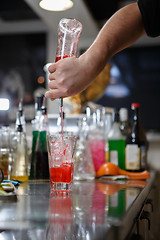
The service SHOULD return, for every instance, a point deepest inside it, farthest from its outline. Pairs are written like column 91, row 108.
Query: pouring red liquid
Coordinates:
column 60, row 57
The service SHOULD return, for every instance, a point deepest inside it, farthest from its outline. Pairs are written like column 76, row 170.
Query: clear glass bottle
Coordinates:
column 20, row 117
column 41, row 152
column 69, row 31
column 83, row 168
column 136, row 143
column 116, row 142
column 19, row 167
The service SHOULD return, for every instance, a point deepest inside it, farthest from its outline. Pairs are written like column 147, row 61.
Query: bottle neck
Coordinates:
column 116, row 116
column 136, row 118
column 44, row 123
column 136, row 125
column 115, row 132
column 38, row 114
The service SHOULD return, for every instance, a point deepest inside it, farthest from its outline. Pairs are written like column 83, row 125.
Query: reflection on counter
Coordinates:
column 60, row 216
column 88, row 212
column 81, row 213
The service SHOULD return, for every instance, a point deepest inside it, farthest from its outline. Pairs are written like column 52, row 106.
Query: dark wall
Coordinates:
column 138, row 73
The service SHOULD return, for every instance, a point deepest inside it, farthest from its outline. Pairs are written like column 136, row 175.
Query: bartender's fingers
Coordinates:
column 53, row 94
column 51, row 76
column 52, row 84
column 52, row 68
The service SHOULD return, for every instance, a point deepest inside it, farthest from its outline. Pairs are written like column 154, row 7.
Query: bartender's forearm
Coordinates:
column 119, row 32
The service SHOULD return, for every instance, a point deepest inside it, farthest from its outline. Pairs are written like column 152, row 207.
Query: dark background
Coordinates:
column 22, row 58
column 139, row 74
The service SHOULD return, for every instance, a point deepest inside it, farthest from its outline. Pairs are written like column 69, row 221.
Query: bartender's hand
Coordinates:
column 68, row 77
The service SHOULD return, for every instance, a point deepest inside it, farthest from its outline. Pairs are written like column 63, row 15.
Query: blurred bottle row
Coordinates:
column 15, row 159
column 127, row 142
column 110, row 136
column 104, row 135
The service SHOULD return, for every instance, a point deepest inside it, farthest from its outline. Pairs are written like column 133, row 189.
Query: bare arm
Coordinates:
column 70, row 76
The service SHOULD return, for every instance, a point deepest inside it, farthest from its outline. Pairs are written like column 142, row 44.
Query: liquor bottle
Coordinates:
column 19, row 168
column 116, row 142
column 136, row 143
column 35, row 129
column 20, row 117
column 41, row 153
column 124, row 124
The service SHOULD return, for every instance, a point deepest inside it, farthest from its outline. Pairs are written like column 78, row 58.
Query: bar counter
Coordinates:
column 94, row 210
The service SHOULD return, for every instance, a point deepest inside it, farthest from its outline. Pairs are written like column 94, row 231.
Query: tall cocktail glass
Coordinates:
column 61, row 160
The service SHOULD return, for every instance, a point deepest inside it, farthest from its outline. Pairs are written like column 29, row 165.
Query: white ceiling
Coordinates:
column 49, row 21
column 78, row 11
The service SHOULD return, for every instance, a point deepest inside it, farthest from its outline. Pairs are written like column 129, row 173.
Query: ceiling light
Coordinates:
column 56, row 5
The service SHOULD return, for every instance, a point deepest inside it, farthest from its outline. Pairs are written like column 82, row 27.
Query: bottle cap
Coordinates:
column 135, row 105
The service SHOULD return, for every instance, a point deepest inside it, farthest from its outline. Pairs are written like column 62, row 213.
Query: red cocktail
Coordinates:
column 61, row 161
column 63, row 173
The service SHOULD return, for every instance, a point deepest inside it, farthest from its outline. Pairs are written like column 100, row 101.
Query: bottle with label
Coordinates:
column 35, row 129
column 41, row 153
column 19, row 168
column 116, row 142
column 136, row 143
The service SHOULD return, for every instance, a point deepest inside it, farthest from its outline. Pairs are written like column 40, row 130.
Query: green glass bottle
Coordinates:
column 117, row 204
column 35, row 130
column 41, row 153
column 34, row 140
column 116, row 143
